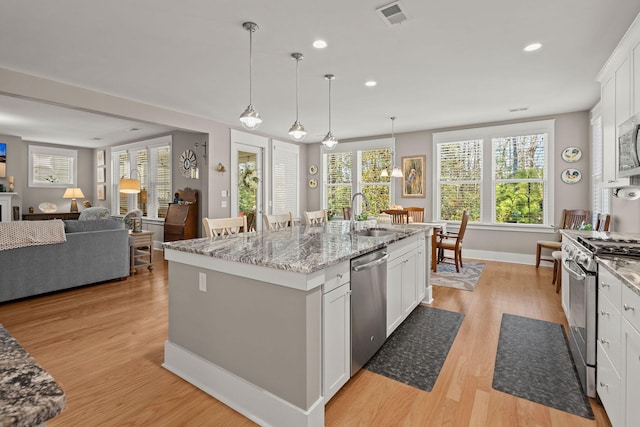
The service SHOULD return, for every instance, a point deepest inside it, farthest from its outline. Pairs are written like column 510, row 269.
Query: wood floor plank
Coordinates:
column 105, row 344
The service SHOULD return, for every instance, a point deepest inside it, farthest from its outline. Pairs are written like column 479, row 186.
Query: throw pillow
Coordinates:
column 93, row 213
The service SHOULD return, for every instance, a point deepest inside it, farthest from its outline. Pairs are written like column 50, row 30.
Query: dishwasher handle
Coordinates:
column 371, row 264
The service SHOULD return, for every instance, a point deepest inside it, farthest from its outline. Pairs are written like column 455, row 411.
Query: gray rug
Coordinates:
column 533, row 362
column 417, row 349
column 467, row 279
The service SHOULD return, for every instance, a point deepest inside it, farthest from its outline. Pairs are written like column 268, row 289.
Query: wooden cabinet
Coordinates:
column 181, row 222
column 336, row 329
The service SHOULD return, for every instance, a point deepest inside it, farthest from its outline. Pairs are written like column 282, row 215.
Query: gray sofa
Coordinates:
column 95, row 251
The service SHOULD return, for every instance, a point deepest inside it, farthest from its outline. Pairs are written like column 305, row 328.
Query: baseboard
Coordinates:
column 514, row 258
column 255, row 403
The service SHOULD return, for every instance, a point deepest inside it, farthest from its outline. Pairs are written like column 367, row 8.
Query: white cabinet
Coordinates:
column 422, row 267
column 623, row 91
column 635, row 55
column 631, row 383
column 402, row 281
column 336, row 330
column 609, row 135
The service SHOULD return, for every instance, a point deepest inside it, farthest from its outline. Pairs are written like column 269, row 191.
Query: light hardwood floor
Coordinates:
column 104, row 346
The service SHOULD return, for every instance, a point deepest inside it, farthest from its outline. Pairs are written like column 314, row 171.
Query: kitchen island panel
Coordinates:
column 267, row 335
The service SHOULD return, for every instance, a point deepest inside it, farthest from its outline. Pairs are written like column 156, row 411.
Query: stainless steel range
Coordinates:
column 578, row 261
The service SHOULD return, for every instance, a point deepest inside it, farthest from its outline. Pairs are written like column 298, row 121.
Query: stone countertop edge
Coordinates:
column 299, row 249
column 30, row 396
column 626, row 269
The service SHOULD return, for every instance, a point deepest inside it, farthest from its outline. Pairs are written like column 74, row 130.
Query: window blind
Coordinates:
column 460, row 178
column 285, row 178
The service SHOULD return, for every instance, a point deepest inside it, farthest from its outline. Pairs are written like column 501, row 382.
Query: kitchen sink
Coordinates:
column 374, row 232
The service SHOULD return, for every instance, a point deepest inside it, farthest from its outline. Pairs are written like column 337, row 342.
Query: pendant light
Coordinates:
column 329, row 140
column 297, row 131
column 396, row 172
column 250, row 118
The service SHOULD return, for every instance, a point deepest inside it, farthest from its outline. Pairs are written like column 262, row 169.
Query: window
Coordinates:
column 599, row 195
column 52, row 167
column 285, row 178
column 149, row 161
column 357, row 168
column 499, row 173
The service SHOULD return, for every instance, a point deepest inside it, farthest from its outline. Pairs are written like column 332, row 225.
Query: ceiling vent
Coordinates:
column 392, row 14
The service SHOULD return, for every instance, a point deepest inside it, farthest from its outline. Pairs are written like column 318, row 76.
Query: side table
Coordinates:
column 141, row 250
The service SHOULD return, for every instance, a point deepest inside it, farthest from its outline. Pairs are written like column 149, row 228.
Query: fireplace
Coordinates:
column 5, row 207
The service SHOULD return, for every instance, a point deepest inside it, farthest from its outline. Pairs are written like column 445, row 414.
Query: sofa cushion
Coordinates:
column 96, row 212
column 75, row 226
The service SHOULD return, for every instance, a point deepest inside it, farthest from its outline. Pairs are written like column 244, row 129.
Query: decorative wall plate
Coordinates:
column 571, row 154
column 313, row 169
column 187, row 162
column 571, row 176
column 47, row 207
column 313, row 183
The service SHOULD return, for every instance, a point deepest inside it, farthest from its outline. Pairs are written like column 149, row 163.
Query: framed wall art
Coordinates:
column 100, row 174
column 101, row 192
column 100, row 157
column 413, row 183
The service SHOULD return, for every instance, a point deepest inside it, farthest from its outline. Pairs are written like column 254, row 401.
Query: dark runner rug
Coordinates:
column 533, row 362
column 417, row 349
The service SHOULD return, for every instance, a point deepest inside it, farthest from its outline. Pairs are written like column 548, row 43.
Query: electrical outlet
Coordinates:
column 223, row 193
column 202, row 282
column 223, row 204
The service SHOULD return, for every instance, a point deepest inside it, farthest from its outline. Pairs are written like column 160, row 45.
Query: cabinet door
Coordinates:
column 609, row 136
column 421, row 269
column 635, row 54
column 631, row 375
column 623, row 92
column 336, row 337
column 394, row 294
column 409, row 279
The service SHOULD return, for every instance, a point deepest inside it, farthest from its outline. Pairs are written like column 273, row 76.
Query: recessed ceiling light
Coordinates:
column 319, row 44
column 370, row 83
column 533, row 46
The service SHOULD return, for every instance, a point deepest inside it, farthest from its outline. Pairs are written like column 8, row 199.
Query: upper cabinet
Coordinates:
column 620, row 99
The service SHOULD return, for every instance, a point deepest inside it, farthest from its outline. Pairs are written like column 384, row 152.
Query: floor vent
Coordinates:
column 392, row 14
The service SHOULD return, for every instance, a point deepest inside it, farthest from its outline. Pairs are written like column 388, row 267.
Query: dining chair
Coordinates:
column 453, row 242
column 602, row 222
column 315, row 217
column 571, row 220
column 214, row 227
column 346, row 212
column 398, row 216
column 277, row 222
column 416, row 214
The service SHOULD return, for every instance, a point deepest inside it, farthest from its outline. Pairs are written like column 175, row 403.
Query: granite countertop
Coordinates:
column 300, row 249
column 29, row 396
column 626, row 269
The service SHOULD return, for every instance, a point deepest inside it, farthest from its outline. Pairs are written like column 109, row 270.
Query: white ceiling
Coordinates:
column 452, row 63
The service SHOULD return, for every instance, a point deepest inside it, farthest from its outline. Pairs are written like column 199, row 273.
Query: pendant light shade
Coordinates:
column 329, row 140
column 250, row 118
column 297, row 131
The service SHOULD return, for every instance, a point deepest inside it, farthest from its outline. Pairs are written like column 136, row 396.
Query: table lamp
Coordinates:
column 73, row 193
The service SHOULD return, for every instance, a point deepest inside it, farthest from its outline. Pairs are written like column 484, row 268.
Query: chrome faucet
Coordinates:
column 352, row 223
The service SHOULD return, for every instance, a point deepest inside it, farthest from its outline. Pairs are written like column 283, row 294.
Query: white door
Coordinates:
column 248, row 176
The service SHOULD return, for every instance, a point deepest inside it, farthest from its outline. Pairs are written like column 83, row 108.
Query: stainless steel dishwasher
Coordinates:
column 368, row 307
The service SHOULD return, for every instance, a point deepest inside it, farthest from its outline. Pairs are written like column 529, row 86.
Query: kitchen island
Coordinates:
column 261, row 320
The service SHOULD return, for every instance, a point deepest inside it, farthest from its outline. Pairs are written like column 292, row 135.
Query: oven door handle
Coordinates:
column 578, row 275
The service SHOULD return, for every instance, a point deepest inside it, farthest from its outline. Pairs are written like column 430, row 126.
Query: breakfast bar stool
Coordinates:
column 214, row 227
column 315, row 217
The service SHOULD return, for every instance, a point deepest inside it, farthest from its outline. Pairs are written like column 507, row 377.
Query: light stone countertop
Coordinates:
column 29, row 395
column 300, row 249
column 627, row 269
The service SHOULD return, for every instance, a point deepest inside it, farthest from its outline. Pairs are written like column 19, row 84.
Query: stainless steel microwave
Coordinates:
column 628, row 160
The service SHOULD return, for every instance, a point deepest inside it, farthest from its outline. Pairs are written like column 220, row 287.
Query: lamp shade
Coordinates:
column 72, row 193
column 129, row 186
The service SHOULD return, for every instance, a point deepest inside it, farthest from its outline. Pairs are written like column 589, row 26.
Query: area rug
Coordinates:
column 417, row 349
column 533, row 362
column 467, row 279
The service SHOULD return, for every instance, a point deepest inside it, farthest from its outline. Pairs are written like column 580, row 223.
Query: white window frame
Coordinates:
column 488, row 191
column 131, row 149
column 353, row 148
column 600, row 195
column 35, row 150
column 292, row 186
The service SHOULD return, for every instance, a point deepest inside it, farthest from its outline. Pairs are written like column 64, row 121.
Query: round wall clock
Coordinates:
column 187, row 162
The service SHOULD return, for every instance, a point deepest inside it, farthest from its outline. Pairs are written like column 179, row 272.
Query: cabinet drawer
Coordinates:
column 631, row 306
column 335, row 276
column 610, row 286
column 173, row 229
column 609, row 331
column 608, row 387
